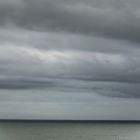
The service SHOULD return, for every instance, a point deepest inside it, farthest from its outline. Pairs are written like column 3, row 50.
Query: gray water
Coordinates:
column 69, row 131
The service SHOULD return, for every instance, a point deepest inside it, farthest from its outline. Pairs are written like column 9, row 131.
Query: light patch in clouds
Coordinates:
column 66, row 62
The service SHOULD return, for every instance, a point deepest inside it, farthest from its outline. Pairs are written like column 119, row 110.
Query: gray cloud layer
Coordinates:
column 72, row 40
column 70, row 59
column 109, row 18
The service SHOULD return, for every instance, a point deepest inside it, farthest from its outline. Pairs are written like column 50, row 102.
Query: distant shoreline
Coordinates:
column 67, row 121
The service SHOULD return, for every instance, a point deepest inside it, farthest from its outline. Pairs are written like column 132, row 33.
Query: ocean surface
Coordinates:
column 69, row 131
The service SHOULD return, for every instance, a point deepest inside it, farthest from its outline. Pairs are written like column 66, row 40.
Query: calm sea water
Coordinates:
column 69, row 131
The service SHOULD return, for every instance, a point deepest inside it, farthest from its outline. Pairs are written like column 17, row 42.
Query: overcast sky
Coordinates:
column 70, row 59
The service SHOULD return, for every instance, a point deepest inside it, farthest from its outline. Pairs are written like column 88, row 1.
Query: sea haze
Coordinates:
column 70, row 59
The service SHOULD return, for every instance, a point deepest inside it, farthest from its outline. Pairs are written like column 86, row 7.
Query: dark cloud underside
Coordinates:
column 109, row 18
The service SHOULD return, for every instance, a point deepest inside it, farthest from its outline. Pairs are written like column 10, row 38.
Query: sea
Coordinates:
column 69, row 130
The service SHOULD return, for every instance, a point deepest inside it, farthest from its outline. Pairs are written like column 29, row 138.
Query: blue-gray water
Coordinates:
column 69, row 131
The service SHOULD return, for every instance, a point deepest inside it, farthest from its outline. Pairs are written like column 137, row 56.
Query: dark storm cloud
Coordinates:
column 109, row 18
column 99, row 88
column 21, row 84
